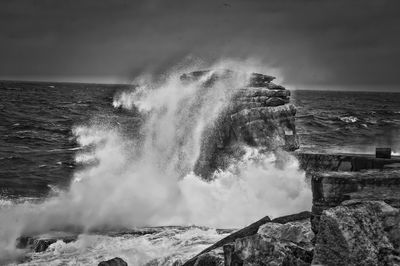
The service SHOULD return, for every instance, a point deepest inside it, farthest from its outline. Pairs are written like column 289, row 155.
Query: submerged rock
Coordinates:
column 359, row 233
column 40, row 243
column 113, row 262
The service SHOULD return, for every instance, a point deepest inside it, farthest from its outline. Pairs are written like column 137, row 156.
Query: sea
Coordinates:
column 66, row 162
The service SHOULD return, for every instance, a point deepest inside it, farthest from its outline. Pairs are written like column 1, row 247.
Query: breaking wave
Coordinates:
column 147, row 179
column 349, row 119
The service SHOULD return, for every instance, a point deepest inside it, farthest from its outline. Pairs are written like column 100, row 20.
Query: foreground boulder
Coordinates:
column 288, row 237
column 358, row 233
column 258, row 115
column 274, row 244
column 330, row 189
column 247, row 231
column 113, row 262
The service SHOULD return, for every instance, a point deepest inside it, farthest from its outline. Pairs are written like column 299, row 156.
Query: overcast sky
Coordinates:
column 315, row 43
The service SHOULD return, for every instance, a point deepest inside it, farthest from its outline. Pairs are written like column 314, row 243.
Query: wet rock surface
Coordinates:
column 296, row 232
column 40, row 243
column 267, row 243
column 246, row 231
column 358, row 233
column 274, row 244
column 260, row 250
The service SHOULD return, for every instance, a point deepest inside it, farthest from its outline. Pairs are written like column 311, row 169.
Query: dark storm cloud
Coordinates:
column 314, row 42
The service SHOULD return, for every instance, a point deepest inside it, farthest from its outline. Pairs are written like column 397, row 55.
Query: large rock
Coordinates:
column 289, row 235
column 358, row 233
column 247, row 231
column 40, row 243
column 298, row 232
column 259, row 115
column 274, row 244
column 330, row 189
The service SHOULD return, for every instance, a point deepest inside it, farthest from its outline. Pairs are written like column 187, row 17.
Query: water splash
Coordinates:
column 147, row 180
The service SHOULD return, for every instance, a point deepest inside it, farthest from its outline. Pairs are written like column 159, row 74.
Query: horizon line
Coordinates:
column 293, row 88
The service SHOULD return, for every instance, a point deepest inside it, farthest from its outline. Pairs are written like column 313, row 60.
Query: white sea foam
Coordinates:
column 149, row 182
column 349, row 119
column 165, row 247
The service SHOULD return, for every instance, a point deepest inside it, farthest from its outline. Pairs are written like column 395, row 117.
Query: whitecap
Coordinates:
column 349, row 119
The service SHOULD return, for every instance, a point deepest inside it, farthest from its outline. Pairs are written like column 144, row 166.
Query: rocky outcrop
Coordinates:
column 259, row 115
column 289, row 237
column 359, row 233
column 274, row 244
column 113, row 262
column 330, row 189
column 247, row 231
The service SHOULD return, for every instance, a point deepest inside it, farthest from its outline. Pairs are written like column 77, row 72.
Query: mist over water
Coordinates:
column 148, row 180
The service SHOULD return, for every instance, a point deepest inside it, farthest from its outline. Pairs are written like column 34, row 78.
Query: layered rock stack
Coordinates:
column 259, row 115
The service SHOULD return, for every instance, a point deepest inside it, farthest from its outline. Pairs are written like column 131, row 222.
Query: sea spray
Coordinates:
column 147, row 180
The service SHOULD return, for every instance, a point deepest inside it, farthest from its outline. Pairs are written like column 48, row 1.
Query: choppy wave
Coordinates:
column 163, row 247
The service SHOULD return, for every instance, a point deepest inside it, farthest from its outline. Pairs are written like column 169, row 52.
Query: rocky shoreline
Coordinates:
column 355, row 217
column 355, row 220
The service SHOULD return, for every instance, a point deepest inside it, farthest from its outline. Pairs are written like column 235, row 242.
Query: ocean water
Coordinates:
column 348, row 121
column 37, row 144
column 38, row 148
column 97, row 158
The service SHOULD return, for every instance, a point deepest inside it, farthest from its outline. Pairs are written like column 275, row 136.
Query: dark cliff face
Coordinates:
column 259, row 115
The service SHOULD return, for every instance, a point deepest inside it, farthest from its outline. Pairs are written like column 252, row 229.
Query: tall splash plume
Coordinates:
column 148, row 180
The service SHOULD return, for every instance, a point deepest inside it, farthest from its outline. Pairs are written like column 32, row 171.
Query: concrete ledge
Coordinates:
column 344, row 162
